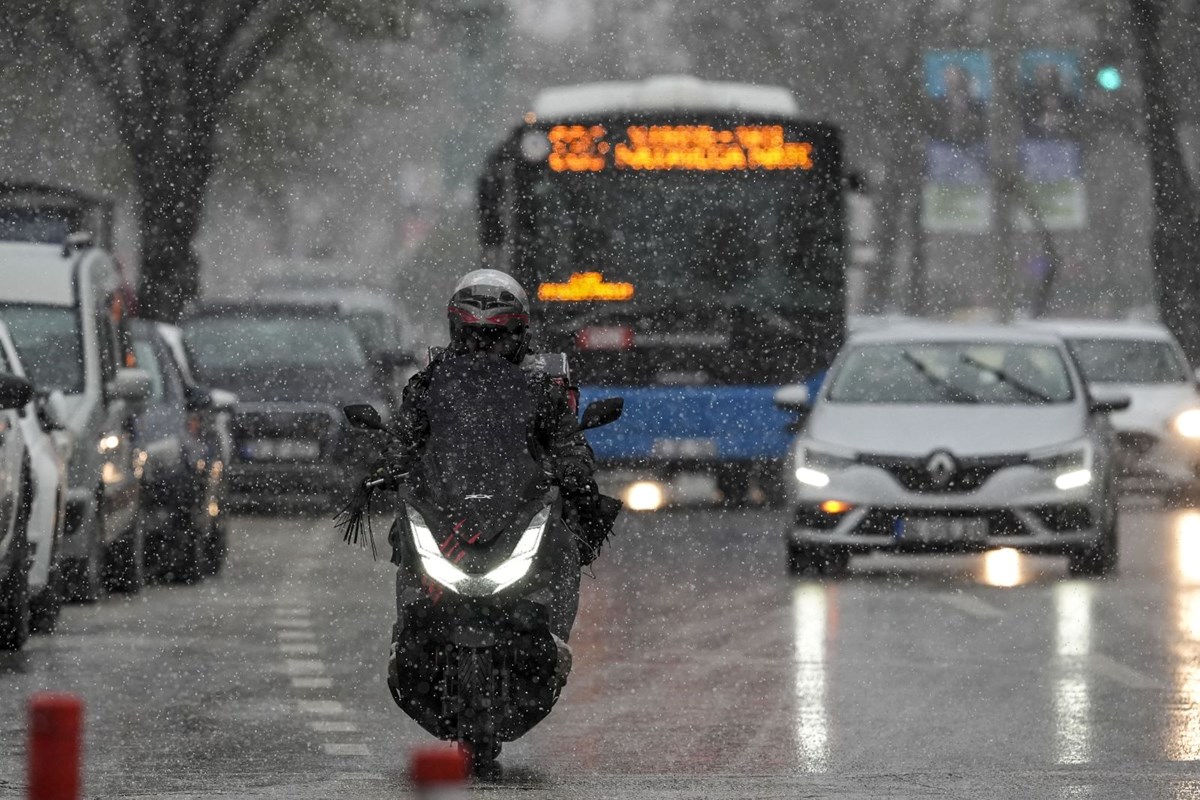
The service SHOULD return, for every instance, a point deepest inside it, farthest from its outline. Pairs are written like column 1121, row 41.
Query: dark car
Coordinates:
column 292, row 367
column 382, row 326
column 183, row 477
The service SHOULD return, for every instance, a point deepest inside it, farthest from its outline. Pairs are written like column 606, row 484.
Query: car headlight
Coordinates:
column 1187, row 423
column 445, row 572
column 814, row 463
column 1071, row 464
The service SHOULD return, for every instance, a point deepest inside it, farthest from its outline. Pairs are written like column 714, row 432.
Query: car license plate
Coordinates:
column 282, row 450
column 944, row 529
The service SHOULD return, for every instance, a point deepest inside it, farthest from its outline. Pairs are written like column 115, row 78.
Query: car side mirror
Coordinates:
column 602, row 412
column 1107, row 404
column 15, row 392
column 221, row 400
column 197, row 398
column 131, row 385
column 51, row 411
column 793, row 397
column 364, row 415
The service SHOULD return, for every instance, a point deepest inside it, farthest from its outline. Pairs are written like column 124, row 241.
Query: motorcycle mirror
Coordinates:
column 364, row 415
column 602, row 412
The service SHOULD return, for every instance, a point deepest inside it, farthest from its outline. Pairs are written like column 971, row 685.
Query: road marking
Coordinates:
column 297, row 636
column 333, row 726
column 299, row 648
column 1119, row 673
column 291, row 611
column 293, row 623
column 323, row 707
column 293, row 666
column 312, row 683
column 338, row 749
column 970, row 604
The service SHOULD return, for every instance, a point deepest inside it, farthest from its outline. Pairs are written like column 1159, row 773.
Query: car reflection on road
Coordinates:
column 810, row 617
column 1183, row 738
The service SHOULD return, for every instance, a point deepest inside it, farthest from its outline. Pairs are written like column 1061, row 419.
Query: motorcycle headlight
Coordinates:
column 1071, row 464
column 514, row 568
column 1187, row 423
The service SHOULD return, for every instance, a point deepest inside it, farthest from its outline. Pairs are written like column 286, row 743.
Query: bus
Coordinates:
column 685, row 241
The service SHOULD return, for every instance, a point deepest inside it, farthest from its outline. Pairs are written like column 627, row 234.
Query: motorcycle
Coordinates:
column 487, row 588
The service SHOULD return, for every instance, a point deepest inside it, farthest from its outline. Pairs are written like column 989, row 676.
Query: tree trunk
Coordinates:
column 172, row 173
column 1175, row 243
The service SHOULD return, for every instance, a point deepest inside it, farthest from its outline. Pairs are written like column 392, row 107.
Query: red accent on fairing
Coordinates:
column 458, row 559
column 573, row 400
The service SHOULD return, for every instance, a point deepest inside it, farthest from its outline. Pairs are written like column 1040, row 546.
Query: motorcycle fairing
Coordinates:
column 477, row 464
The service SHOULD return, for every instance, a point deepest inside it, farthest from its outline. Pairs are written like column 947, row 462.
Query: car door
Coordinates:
column 12, row 457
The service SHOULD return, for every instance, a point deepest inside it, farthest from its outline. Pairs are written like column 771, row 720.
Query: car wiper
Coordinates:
column 948, row 389
column 1004, row 377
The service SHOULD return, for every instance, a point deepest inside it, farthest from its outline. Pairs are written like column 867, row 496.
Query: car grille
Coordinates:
column 883, row 521
column 1136, row 443
column 914, row 473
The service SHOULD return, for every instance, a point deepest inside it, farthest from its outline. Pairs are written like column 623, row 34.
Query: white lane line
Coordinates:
column 970, row 604
column 333, row 726
column 340, row 749
column 296, row 636
column 292, row 623
column 299, row 648
column 1119, row 673
column 322, row 707
column 291, row 611
column 298, row 666
column 312, row 683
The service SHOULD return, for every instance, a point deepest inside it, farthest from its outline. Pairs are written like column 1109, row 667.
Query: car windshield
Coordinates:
column 952, row 372
column 1128, row 361
column 49, row 344
column 243, row 343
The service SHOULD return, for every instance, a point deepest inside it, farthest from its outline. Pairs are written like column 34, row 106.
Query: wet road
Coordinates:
column 700, row 671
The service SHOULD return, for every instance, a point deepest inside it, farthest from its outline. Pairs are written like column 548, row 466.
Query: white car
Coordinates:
column 1158, row 436
column 942, row 437
column 47, row 447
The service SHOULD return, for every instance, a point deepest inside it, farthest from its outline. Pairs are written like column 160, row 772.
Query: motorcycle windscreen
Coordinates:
column 477, row 462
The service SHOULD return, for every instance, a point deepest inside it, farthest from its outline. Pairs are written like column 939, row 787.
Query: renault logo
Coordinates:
column 941, row 467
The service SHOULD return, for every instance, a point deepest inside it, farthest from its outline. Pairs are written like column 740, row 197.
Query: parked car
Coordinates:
column 292, row 368
column 183, row 480
column 47, row 447
column 63, row 307
column 15, row 496
column 1159, row 434
column 953, row 438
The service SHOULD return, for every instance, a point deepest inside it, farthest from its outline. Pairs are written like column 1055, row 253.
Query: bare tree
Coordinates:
column 1175, row 242
column 169, row 70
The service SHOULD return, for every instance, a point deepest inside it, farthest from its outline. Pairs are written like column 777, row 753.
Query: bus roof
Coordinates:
column 663, row 93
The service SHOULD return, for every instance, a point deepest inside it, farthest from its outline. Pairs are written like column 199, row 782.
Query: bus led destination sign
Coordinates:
column 702, row 148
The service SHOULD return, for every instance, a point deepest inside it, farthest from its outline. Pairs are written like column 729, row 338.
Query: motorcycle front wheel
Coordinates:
column 476, row 701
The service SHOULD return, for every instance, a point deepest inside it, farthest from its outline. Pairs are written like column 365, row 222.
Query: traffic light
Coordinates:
column 1108, row 77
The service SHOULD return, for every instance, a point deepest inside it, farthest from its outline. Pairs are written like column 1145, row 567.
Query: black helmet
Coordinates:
column 489, row 311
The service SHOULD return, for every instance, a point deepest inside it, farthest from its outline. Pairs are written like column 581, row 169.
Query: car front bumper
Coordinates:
column 1018, row 507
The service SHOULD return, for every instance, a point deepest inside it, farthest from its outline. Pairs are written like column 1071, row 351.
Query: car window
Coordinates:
column 244, row 343
column 144, row 352
column 952, row 372
column 1128, row 361
column 49, row 343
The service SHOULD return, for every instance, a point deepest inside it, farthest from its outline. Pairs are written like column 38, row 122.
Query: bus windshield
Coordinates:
column 742, row 238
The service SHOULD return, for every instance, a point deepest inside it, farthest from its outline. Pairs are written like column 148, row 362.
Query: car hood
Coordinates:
column 963, row 430
column 337, row 387
column 1151, row 407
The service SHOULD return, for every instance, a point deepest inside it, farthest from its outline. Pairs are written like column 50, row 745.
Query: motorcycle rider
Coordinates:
column 489, row 317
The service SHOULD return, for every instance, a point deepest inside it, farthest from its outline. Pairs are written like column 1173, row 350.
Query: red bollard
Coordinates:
column 439, row 767
column 55, row 746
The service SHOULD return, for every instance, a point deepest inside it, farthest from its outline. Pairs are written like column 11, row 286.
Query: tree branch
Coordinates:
column 271, row 36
